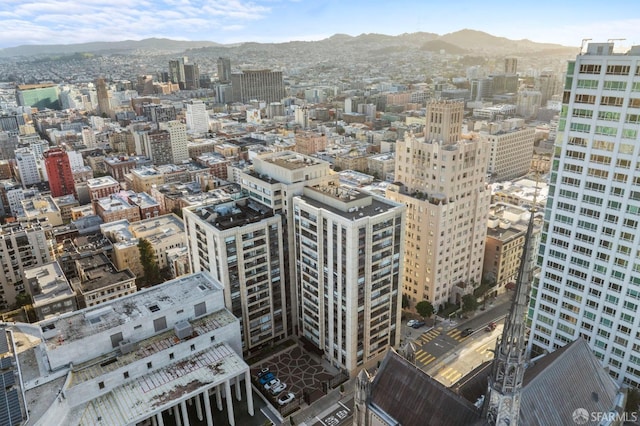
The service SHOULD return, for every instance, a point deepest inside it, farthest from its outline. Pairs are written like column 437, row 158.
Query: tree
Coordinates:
column 481, row 292
column 469, row 303
column 405, row 301
column 23, row 299
column 425, row 309
column 149, row 265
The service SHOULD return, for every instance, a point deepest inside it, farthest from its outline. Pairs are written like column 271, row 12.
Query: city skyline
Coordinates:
column 274, row 21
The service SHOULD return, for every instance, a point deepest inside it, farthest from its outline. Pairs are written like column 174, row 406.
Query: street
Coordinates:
column 445, row 354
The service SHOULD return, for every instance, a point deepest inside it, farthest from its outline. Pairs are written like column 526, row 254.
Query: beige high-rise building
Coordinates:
column 444, row 187
column 511, row 148
column 444, row 121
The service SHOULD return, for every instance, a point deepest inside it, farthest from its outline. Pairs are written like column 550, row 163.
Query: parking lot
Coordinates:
column 298, row 369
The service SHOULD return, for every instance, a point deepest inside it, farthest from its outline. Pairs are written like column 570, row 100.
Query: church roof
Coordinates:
column 566, row 379
column 411, row 397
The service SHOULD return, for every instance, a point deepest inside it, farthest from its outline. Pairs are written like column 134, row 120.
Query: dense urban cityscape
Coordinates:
column 361, row 230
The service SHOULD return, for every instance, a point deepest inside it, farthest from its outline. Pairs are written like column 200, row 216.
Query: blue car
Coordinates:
column 418, row 324
column 266, row 378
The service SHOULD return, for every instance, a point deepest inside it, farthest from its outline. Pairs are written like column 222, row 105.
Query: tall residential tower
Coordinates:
column 442, row 180
column 589, row 284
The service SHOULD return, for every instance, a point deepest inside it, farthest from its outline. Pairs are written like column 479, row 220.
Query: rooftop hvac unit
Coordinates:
column 126, row 346
column 183, row 330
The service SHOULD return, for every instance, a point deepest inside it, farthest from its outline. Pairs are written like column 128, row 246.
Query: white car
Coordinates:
column 286, row 398
column 411, row 322
column 273, row 383
column 278, row 388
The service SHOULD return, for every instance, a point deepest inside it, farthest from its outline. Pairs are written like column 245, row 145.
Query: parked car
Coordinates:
column 286, row 398
column 418, row 324
column 272, row 384
column 467, row 332
column 279, row 388
column 411, row 322
column 266, row 378
column 490, row 327
column 262, row 372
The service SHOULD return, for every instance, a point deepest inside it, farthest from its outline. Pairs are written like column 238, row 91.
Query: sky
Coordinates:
column 275, row 21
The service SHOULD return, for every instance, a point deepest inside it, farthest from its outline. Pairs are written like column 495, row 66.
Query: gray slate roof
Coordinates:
column 563, row 381
column 411, row 397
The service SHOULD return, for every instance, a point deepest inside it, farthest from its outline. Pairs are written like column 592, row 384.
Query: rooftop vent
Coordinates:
column 183, row 329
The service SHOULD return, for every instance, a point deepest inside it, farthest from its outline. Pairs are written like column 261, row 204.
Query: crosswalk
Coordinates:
column 423, row 357
column 429, row 335
column 450, row 374
column 456, row 334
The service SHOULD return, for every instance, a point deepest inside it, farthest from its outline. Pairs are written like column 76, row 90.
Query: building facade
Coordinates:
column 59, row 172
column 348, row 249
column 261, row 85
column 444, row 188
column 588, row 286
column 140, row 359
column 510, row 148
column 240, row 243
column 22, row 246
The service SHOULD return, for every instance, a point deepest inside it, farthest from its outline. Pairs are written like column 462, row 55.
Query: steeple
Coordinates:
column 502, row 403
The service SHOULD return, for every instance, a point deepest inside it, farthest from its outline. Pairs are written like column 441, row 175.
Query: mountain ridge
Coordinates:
column 462, row 41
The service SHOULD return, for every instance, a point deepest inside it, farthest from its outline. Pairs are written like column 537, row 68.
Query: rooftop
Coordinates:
column 158, row 228
column 102, row 181
column 47, row 283
column 98, row 272
column 346, row 201
column 79, row 324
column 292, row 161
column 234, row 214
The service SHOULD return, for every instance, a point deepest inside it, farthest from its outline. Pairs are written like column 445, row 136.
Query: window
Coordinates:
column 171, row 355
column 590, row 68
column 585, row 99
column 193, row 347
column 608, row 116
column 605, row 130
column 116, row 339
column 634, row 102
column 629, row 133
column 611, row 100
column 200, row 309
column 160, row 324
column 632, row 118
column 580, row 127
column 126, row 374
column 101, row 385
column 582, row 113
column 587, row 84
column 618, row 69
column 615, row 85
column 149, row 364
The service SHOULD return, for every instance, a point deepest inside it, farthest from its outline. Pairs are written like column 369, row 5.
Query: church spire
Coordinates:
column 502, row 403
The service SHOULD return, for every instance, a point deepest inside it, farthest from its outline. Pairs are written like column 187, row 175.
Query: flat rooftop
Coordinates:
column 97, row 367
column 231, row 215
column 504, row 234
column 293, row 161
column 49, row 283
column 137, row 399
column 76, row 325
column 158, row 228
column 367, row 204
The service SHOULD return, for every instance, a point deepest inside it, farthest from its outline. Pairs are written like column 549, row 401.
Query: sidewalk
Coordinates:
column 307, row 416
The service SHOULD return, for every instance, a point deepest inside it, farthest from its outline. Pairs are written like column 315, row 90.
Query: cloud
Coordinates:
column 71, row 21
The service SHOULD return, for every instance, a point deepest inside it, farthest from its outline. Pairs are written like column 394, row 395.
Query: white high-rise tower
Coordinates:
column 589, row 284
